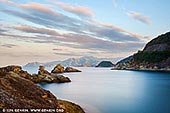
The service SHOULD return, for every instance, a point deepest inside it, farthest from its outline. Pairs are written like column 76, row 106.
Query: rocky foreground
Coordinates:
column 19, row 92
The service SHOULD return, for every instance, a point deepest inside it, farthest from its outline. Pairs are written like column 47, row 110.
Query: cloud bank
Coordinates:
column 45, row 24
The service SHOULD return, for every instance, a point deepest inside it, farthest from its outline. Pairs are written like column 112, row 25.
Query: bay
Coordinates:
column 101, row 90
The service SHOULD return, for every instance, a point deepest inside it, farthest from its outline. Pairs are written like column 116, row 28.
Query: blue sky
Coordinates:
column 47, row 30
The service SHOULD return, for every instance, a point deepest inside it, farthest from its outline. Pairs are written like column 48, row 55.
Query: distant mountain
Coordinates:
column 86, row 61
column 155, row 56
column 33, row 64
column 105, row 64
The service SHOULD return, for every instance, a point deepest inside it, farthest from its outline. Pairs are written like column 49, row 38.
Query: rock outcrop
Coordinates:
column 43, row 75
column 154, row 57
column 42, row 71
column 70, row 107
column 70, row 69
column 16, row 93
column 16, row 69
column 60, row 69
column 105, row 64
column 60, row 78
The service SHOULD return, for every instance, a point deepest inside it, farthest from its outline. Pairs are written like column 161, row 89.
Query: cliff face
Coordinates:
column 155, row 56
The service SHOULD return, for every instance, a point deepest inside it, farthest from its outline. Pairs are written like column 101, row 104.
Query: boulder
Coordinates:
column 58, row 69
column 48, row 79
column 70, row 69
column 42, row 71
column 60, row 78
column 45, row 77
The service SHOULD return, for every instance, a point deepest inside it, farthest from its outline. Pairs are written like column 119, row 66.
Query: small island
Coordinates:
column 105, row 64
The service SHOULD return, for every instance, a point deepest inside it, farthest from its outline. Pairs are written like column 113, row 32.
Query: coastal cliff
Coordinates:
column 154, row 57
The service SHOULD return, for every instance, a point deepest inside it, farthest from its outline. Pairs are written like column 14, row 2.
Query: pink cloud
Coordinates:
column 78, row 10
column 32, row 5
column 7, row 2
column 39, row 7
column 30, row 29
column 139, row 17
column 118, row 29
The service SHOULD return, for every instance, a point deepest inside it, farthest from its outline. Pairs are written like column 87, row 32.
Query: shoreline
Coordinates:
column 167, row 71
column 147, row 70
column 86, row 107
column 70, row 106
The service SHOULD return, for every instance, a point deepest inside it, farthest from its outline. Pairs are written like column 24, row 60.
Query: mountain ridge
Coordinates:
column 86, row 61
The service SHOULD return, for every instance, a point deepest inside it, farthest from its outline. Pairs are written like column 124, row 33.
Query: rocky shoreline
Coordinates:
column 144, row 69
column 19, row 91
column 131, row 65
column 43, row 75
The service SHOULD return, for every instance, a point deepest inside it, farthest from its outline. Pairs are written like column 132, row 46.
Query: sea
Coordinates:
column 102, row 90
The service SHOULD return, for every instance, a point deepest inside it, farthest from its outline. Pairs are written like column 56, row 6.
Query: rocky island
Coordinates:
column 154, row 57
column 105, row 64
column 60, row 69
column 18, row 90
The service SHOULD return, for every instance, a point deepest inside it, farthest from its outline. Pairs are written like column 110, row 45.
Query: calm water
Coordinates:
column 101, row 90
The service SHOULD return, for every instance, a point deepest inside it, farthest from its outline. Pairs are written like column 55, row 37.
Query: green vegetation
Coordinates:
column 151, row 57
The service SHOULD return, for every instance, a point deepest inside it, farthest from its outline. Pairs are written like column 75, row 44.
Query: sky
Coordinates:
column 51, row 30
